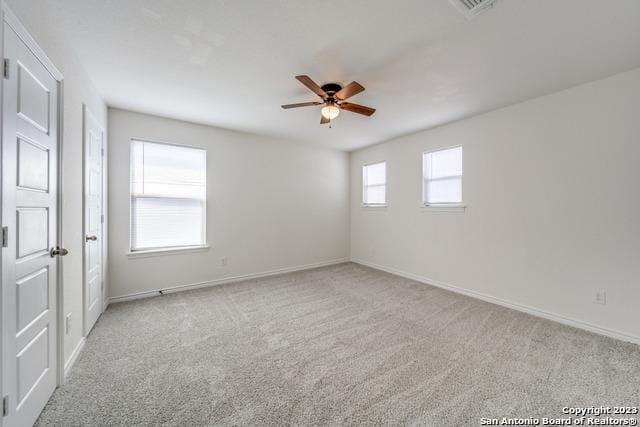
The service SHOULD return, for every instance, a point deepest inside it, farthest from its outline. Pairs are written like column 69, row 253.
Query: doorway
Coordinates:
column 93, row 219
column 31, row 253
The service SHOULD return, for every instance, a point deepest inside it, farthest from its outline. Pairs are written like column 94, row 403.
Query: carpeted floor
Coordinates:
column 340, row 345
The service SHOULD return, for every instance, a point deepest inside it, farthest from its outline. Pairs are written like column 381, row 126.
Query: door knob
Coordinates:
column 91, row 238
column 58, row 251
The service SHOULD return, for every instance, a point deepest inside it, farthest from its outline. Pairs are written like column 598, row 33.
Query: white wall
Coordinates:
column 553, row 196
column 78, row 90
column 270, row 205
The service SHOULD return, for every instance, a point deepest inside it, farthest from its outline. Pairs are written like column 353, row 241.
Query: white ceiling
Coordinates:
column 231, row 63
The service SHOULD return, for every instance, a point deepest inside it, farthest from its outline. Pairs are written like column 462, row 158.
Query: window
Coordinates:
column 374, row 184
column 168, row 196
column 442, row 177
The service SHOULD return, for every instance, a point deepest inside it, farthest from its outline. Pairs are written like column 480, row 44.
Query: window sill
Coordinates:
column 374, row 207
column 168, row 251
column 443, row 208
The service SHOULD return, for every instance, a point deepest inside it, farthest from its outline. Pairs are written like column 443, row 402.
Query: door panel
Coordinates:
column 32, row 236
column 29, row 208
column 32, row 364
column 33, row 298
column 93, row 179
column 34, row 99
column 31, row 155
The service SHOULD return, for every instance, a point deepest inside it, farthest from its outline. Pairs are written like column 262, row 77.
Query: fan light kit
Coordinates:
column 330, row 112
column 333, row 98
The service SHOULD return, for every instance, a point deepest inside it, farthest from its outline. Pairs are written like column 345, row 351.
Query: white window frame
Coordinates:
column 453, row 205
column 162, row 250
column 364, row 186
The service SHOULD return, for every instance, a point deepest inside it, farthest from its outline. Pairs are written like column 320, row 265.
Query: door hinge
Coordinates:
column 102, row 152
column 5, row 405
column 102, row 219
column 5, row 237
column 6, row 68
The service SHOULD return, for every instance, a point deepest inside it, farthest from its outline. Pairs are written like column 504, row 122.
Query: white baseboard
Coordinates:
column 224, row 280
column 74, row 356
column 509, row 304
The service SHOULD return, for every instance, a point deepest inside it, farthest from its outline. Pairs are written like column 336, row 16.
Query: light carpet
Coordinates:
column 340, row 345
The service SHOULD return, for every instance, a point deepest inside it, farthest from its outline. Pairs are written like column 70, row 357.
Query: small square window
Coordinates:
column 442, row 177
column 374, row 184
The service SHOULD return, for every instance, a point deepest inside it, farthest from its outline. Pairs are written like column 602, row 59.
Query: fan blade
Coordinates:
column 323, row 120
column 306, row 80
column 349, row 90
column 355, row 108
column 302, row 104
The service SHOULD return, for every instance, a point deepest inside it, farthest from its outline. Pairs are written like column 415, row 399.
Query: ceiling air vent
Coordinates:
column 472, row 8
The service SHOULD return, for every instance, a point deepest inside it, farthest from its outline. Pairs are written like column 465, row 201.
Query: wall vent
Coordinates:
column 472, row 8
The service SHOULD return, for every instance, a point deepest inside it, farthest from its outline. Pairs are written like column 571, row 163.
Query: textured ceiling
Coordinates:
column 231, row 63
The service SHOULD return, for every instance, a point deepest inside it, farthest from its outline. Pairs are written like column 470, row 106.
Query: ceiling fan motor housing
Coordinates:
column 331, row 88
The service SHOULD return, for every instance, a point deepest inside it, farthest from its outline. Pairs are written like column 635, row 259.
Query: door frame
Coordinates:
column 87, row 114
column 10, row 19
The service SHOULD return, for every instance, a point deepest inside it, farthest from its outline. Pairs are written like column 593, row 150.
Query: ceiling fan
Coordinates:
column 333, row 98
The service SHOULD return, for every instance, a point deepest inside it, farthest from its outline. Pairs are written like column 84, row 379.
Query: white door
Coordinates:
column 29, row 211
column 93, row 219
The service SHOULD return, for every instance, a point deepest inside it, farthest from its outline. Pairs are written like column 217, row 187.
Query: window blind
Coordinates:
column 442, row 176
column 374, row 184
column 168, row 196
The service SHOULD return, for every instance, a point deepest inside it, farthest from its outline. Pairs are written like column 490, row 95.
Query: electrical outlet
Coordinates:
column 67, row 323
column 223, row 261
column 599, row 296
